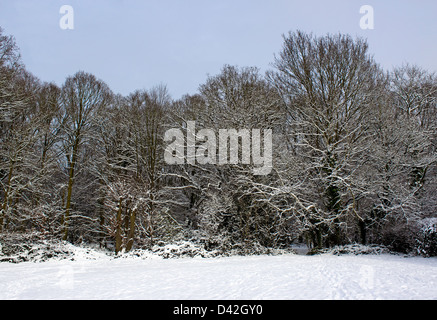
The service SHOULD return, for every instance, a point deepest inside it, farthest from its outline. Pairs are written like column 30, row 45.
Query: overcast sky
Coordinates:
column 137, row 44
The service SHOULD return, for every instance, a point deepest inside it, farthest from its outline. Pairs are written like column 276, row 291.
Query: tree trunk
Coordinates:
column 363, row 232
column 131, row 233
column 70, row 185
column 118, row 240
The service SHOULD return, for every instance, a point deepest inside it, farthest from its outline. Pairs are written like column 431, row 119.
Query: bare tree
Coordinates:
column 329, row 85
column 82, row 95
column 131, row 165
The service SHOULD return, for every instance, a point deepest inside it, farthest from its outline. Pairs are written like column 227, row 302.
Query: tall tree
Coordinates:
column 13, row 124
column 131, row 166
column 82, row 96
column 329, row 85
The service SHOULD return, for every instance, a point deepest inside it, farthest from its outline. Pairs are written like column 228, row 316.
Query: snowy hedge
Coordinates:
column 17, row 247
column 356, row 249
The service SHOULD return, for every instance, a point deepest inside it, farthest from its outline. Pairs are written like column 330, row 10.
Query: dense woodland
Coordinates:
column 354, row 155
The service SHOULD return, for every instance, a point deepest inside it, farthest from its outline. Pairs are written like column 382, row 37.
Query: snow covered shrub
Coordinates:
column 355, row 249
column 35, row 247
column 226, row 245
column 175, row 250
column 19, row 248
column 427, row 240
column 181, row 249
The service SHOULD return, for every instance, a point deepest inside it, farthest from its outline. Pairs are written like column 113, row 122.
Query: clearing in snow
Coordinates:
column 282, row 277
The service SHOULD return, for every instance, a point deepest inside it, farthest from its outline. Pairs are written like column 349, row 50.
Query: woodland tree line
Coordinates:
column 354, row 155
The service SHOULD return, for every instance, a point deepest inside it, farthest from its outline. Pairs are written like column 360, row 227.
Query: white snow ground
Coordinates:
column 247, row 278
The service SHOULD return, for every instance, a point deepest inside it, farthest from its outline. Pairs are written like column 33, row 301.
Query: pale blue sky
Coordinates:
column 136, row 44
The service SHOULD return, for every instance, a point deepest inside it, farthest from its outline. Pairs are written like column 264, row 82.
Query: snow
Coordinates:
column 282, row 277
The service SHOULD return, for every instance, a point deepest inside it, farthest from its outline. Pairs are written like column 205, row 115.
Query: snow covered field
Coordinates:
column 255, row 277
